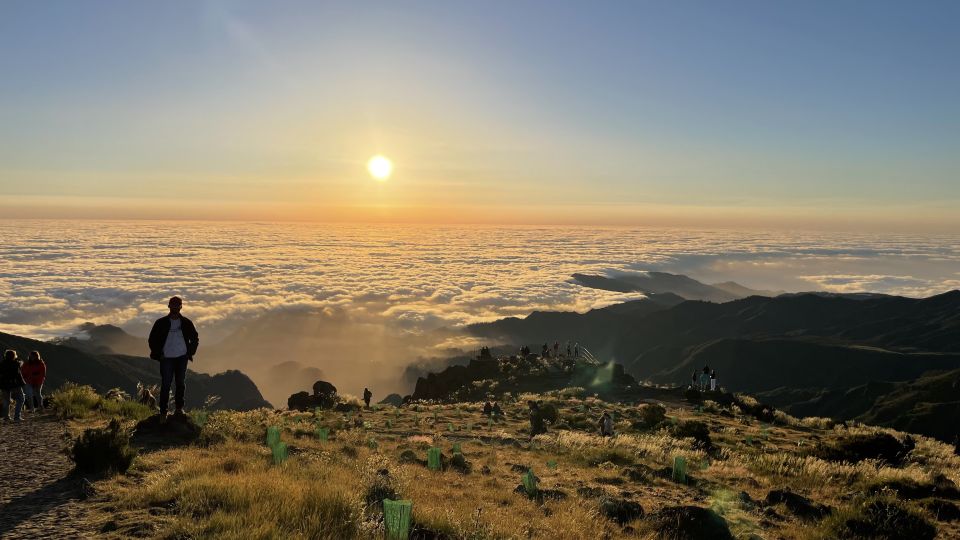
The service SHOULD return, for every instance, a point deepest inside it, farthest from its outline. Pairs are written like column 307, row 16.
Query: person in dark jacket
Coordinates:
column 34, row 372
column 367, row 394
column 11, row 386
column 173, row 341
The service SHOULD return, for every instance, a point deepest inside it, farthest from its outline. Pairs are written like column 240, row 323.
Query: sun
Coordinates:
column 380, row 167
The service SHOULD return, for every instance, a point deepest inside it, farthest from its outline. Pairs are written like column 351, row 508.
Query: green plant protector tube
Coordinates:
column 372, row 443
column 529, row 481
column 367, row 425
column 433, row 459
column 457, row 449
column 323, row 433
column 388, row 423
column 450, row 427
column 679, row 470
column 279, row 453
column 552, row 464
column 396, row 519
column 273, row 436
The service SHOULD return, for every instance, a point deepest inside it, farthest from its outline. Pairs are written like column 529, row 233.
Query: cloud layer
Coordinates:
column 55, row 275
column 357, row 304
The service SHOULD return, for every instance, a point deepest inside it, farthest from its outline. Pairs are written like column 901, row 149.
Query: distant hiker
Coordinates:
column 606, row 425
column 173, row 341
column 537, row 425
column 487, row 409
column 713, row 380
column 545, row 352
column 367, row 394
column 496, row 410
column 34, row 372
column 556, row 349
column 11, row 386
column 576, row 350
column 568, row 349
column 694, row 378
column 704, row 381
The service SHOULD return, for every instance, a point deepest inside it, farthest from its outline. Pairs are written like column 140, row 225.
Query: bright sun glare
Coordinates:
column 380, row 167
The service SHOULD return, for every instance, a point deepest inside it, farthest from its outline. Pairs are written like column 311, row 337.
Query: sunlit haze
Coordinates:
column 813, row 115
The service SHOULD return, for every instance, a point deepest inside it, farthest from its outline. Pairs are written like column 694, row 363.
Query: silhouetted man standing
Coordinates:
column 173, row 341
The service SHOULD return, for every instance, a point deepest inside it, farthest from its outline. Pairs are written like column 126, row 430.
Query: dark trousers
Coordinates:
column 171, row 368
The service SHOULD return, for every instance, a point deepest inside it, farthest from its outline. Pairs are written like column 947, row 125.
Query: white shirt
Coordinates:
column 175, row 345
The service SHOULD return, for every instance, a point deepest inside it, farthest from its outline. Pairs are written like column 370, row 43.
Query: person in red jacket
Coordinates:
column 34, row 372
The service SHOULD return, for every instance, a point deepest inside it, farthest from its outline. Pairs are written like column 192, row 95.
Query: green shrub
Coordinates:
column 73, row 401
column 104, row 449
column 131, row 410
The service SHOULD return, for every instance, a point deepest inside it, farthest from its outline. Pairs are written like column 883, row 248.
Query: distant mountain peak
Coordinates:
column 652, row 282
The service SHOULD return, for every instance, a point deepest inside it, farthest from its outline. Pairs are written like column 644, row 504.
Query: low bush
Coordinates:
column 549, row 412
column 614, row 454
column 880, row 446
column 693, row 429
column 879, row 517
column 652, row 415
column 104, row 449
column 72, row 401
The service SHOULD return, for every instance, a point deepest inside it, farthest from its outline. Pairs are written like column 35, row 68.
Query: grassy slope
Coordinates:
column 229, row 488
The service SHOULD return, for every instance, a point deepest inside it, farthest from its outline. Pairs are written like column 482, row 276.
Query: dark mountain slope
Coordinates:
column 106, row 371
column 766, row 364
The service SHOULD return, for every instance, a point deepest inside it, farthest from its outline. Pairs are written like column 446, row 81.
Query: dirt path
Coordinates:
column 38, row 496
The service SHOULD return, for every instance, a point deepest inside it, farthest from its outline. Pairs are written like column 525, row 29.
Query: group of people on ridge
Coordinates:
column 705, row 379
column 547, row 352
column 22, row 383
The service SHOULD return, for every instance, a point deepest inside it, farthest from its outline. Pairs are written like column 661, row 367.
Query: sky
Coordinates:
column 832, row 115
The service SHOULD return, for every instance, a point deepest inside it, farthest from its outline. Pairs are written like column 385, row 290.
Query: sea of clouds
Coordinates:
column 408, row 279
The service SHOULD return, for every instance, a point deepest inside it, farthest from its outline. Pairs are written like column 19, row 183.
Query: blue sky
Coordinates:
column 615, row 112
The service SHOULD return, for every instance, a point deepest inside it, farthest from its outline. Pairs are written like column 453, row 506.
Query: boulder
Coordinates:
column 690, row 523
column 798, row 505
column 621, row 511
column 176, row 430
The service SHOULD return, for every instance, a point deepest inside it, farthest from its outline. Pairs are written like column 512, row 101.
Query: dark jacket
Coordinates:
column 158, row 336
column 10, row 376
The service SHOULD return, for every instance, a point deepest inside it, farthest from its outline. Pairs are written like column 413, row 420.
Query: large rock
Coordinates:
column 690, row 523
column 798, row 505
column 324, row 396
column 176, row 430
